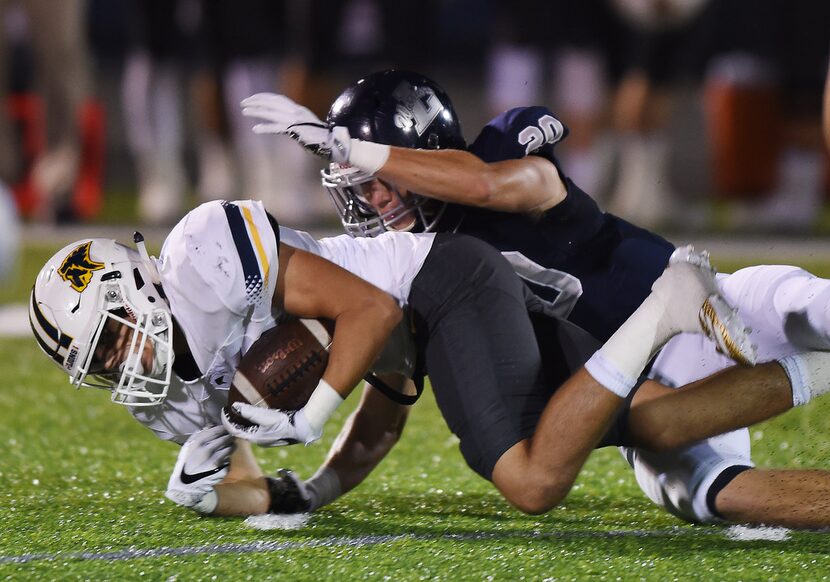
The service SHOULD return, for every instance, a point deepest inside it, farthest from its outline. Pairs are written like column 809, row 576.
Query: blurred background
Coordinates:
column 686, row 116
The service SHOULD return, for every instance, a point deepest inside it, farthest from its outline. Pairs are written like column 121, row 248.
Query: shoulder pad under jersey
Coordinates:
column 230, row 247
column 518, row 133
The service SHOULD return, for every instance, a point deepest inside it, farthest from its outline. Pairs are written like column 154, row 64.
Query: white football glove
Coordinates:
column 284, row 116
column 272, row 428
column 203, row 462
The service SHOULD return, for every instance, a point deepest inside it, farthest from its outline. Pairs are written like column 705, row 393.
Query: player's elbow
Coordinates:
column 483, row 191
column 391, row 312
column 384, row 310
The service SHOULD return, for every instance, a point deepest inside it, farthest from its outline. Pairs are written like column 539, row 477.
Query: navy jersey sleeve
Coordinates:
column 518, row 133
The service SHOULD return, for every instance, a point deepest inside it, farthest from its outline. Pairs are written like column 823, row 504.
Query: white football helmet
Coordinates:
column 81, row 300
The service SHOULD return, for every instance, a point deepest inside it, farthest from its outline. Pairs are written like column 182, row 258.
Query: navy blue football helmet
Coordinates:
column 396, row 108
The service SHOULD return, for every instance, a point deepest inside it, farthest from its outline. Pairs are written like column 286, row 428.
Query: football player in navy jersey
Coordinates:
column 507, row 189
column 399, row 162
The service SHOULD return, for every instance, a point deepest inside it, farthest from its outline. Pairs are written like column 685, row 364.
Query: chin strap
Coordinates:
column 138, row 238
column 394, row 395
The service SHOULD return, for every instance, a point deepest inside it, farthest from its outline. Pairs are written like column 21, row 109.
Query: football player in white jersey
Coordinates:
column 166, row 336
column 216, row 266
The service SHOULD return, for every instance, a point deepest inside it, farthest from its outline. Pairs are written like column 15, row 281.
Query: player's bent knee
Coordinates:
column 529, row 489
column 535, row 503
column 535, row 498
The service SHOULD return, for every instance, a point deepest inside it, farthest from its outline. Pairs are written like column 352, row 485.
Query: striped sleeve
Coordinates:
column 255, row 237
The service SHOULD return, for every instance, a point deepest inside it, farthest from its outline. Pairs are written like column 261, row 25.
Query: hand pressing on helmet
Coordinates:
column 280, row 115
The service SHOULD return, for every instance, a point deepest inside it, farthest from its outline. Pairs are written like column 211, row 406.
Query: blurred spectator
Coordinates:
column 825, row 114
column 153, row 87
column 9, row 232
column 566, row 42
column 252, row 47
column 211, row 54
column 66, row 164
column 656, row 52
column 764, row 95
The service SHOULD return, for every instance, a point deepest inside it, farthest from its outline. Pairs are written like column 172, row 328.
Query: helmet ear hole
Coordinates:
column 433, row 142
column 139, row 280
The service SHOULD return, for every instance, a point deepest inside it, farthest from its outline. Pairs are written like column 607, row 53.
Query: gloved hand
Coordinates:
column 272, row 428
column 289, row 493
column 203, row 462
column 284, row 116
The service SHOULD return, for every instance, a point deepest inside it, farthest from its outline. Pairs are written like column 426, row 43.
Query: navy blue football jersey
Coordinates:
column 589, row 266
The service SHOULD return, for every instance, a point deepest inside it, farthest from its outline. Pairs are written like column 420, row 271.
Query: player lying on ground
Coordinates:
column 510, row 190
column 166, row 338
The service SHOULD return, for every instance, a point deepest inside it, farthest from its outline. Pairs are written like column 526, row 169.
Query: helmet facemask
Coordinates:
column 131, row 384
column 359, row 218
column 95, row 299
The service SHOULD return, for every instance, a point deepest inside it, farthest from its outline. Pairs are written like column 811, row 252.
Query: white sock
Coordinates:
column 809, row 374
column 323, row 488
column 618, row 364
column 672, row 307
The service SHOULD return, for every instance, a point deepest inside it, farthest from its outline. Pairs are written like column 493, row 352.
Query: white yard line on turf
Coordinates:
column 356, row 541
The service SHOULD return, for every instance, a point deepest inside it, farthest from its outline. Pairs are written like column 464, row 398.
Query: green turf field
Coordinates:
column 81, row 495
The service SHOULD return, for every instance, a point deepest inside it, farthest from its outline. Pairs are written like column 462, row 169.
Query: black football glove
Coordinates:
column 288, row 493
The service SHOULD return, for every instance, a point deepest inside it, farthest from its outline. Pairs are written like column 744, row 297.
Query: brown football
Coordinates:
column 282, row 368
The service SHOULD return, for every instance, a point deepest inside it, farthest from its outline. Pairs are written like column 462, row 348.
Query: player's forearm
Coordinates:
column 448, row 175
column 461, row 177
column 369, row 434
column 364, row 316
column 359, row 336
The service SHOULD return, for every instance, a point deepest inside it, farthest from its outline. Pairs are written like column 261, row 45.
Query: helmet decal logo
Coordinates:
column 78, row 266
column 417, row 107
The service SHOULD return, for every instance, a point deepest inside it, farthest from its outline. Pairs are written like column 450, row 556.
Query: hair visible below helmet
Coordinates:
column 396, row 108
column 86, row 286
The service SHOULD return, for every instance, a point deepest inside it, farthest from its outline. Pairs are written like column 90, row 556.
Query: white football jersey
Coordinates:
column 390, row 262
column 188, row 408
column 219, row 270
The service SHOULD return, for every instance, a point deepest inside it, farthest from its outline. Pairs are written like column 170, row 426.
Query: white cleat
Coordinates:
column 719, row 321
column 722, row 324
